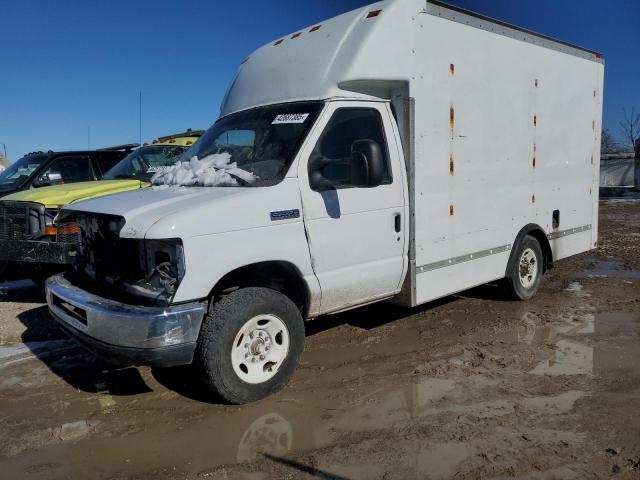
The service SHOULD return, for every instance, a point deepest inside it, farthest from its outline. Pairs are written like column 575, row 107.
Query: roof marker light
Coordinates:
column 373, row 13
column 296, row 35
column 188, row 142
column 315, row 29
column 278, row 42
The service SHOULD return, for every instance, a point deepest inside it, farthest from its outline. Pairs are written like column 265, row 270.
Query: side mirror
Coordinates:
column 367, row 163
column 365, row 168
column 55, row 178
column 52, row 178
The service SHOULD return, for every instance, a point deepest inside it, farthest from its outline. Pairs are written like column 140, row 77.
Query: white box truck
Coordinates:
column 403, row 151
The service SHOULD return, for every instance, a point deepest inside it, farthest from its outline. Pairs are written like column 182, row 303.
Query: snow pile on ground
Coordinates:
column 212, row 170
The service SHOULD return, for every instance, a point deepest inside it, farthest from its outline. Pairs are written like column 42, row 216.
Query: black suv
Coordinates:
column 40, row 169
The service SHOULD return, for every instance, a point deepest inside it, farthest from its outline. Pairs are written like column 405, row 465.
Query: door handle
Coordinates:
column 397, row 220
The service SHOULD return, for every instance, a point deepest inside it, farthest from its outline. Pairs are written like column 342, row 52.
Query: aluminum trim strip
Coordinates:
column 463, row 258
column 472, row 19
column 569, row 231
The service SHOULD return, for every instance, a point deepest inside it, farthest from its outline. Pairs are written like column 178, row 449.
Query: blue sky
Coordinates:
column 74, row 64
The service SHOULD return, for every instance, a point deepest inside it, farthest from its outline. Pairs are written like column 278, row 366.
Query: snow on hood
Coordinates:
column 212, row 170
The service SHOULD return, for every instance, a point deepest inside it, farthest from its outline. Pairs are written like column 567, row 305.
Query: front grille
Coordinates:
column 20, row 220
column 68, row 232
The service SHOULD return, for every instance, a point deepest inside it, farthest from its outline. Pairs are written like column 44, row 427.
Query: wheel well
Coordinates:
column 276, row 275
column 536, row 232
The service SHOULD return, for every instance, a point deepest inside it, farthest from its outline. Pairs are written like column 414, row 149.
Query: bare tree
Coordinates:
column 630, row 126
column 607, row 143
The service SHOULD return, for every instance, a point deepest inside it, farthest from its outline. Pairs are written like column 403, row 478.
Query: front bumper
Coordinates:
column 126, row 334
column 33, row 251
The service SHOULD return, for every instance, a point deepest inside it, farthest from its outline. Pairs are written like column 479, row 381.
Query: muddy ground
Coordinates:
column 471, row 386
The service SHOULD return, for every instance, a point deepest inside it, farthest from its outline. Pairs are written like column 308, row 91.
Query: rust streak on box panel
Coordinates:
column 452, row 119
column 451, row 166
column 451, row 210
column 535, row 120
column 452, row 69
column 533, row 199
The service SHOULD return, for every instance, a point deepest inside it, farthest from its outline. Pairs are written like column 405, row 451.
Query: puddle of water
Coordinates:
column 573, row 356
column 570, row 358
column 576, row 289
column 610, row 269
column 554, row 404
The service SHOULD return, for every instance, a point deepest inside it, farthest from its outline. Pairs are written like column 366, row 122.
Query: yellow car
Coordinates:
column 28, row 234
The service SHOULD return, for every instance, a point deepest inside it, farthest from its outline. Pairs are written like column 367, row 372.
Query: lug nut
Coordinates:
column 261, row 357
column 251, row 335
column 246, row 345
column 267, row 347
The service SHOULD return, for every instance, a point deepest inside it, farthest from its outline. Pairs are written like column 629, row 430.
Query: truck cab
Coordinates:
column 42, row 169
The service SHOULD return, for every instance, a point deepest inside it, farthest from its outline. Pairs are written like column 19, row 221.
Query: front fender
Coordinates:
column 208, row 258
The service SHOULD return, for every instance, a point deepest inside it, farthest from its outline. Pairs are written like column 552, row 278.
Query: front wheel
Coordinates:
column 250, row 344
column 525, row 273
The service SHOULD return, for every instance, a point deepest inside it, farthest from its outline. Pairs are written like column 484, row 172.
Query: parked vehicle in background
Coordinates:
column 42, row 169
column 29, row 238
column 403, row 151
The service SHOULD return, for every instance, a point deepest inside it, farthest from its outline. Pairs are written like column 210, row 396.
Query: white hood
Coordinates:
column 179, row 212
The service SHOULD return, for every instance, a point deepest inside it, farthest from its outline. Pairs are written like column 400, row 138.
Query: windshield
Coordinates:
column 250, row 148
column 19, row 171
column 144, row 162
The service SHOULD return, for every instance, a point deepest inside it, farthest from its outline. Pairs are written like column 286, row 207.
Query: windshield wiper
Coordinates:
column 124, row 176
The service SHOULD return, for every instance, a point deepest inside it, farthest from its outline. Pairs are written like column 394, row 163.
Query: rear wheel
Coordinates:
column 250, row 344
column 526, row 268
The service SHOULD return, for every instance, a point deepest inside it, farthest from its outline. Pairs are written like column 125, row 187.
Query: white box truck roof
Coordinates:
column 363, row 53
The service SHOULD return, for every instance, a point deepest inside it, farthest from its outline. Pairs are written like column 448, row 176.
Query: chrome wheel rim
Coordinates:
column 528, row 268
column 260, row 348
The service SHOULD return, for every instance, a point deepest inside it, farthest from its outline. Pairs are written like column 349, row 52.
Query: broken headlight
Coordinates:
column 165, row 269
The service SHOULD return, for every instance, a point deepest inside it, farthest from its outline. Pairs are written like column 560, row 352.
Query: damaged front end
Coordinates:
column 28, row 234
column 130, row 270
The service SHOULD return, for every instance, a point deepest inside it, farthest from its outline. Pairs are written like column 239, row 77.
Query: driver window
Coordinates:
column 347, row 125
column 71, row 169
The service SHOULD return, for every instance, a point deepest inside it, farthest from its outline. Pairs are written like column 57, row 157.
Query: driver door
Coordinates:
column 356, row 234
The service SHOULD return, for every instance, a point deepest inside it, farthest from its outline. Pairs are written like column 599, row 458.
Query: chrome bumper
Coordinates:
column 126, row 334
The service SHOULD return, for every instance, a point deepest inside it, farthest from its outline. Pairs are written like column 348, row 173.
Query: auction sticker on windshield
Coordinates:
column 290, row 118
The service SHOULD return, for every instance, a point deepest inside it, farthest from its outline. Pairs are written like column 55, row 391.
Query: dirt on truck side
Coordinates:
column 470, row 386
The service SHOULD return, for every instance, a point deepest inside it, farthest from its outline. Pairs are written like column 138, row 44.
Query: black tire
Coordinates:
column 513, row 282
column 219, row 329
